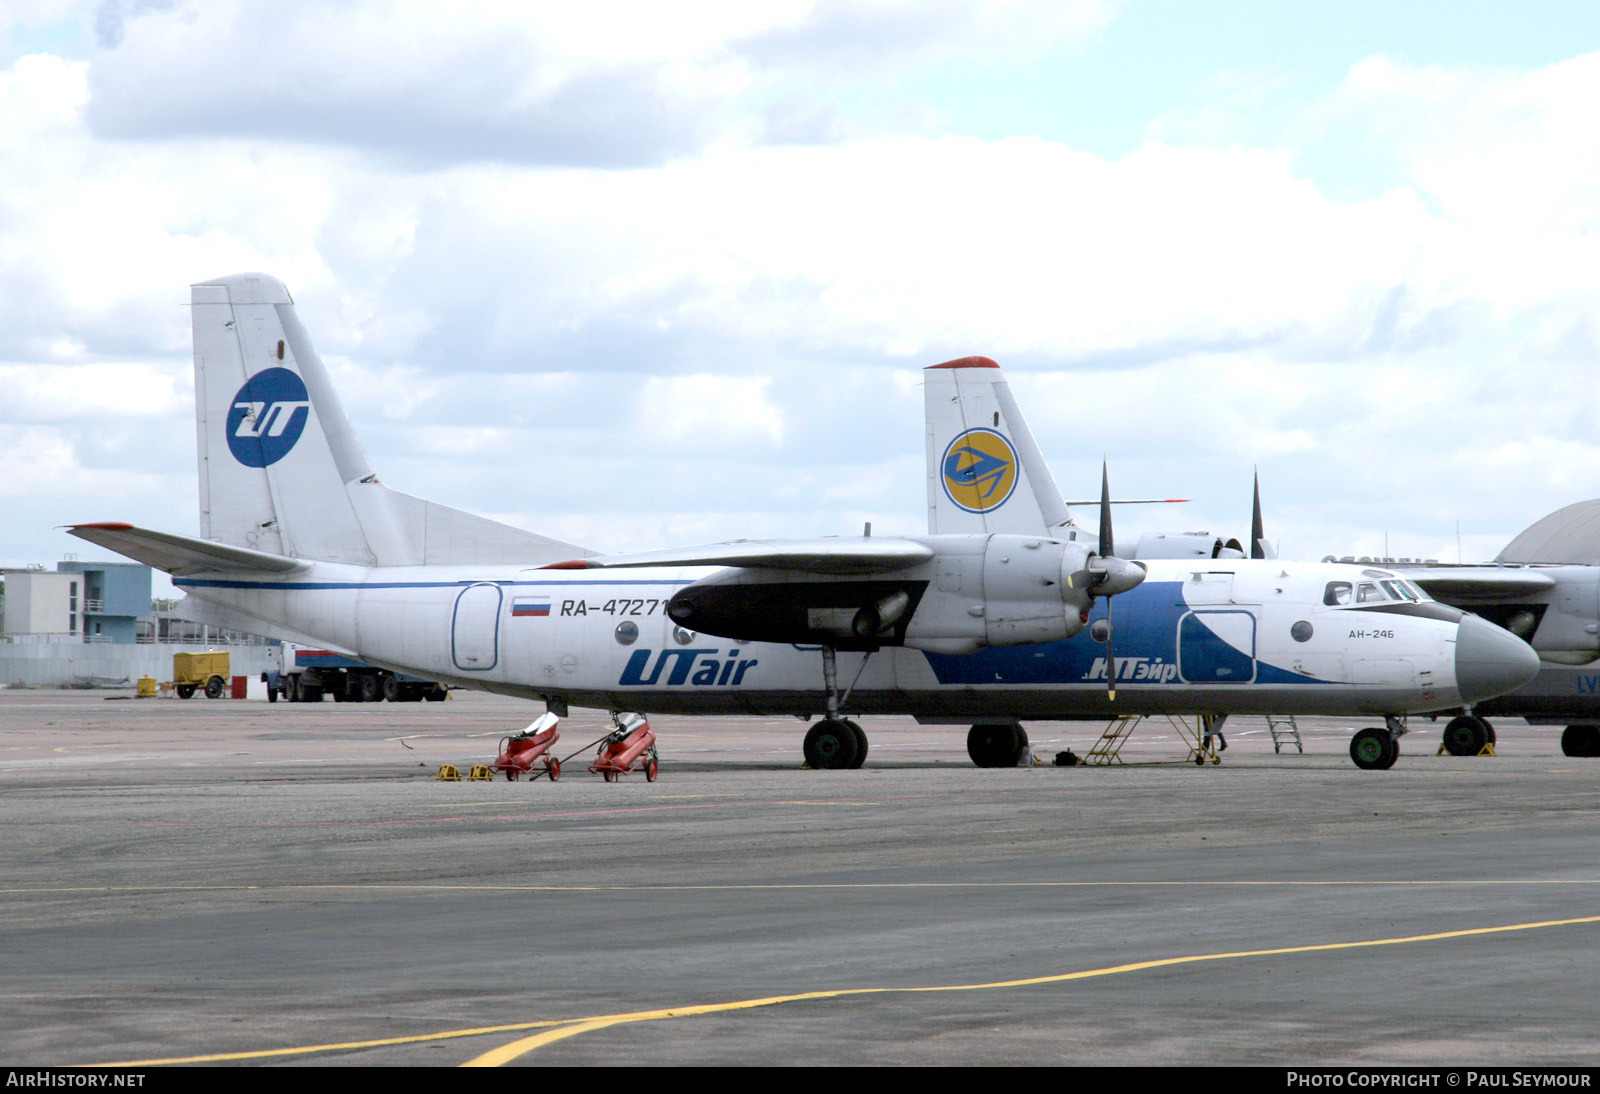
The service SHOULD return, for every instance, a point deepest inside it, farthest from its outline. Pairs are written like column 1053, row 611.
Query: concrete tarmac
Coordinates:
column 286, row 884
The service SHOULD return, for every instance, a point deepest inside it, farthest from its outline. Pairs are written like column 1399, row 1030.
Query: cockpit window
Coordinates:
column 1337, row 593
column 1398, row 590
column 1368, row 593
column 1418, row 591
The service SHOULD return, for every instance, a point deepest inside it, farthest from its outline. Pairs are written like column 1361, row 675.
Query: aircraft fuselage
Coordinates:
column 1219, row 636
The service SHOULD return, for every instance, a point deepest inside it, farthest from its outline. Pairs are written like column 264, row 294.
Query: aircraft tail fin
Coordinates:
column 281, row 469
column 985, row 473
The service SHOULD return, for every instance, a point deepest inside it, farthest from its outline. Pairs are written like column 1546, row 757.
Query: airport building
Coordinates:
column 94, row 624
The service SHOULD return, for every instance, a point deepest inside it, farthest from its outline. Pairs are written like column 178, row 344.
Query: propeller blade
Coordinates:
column 1107, row 544
column 1111, row 657
column 1258, row 533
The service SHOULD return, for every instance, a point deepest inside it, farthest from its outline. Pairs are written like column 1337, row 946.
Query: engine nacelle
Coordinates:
column 999, row 590
column 1181, row 545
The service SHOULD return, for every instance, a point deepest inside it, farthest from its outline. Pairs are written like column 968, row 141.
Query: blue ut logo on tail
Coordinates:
column 269, row 413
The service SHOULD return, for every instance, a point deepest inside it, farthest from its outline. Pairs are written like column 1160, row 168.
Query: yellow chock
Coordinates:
column 480, row 773
column 448, row 773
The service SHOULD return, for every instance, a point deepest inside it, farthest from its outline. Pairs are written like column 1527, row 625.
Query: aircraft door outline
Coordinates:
column 1217, row 647
column 475, row 627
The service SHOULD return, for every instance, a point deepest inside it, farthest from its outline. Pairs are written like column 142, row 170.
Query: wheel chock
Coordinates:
column 1486, row 750
column 448, row 773
column 480, row 773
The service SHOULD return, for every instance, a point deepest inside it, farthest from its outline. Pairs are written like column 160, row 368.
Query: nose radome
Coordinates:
column 1490, row 661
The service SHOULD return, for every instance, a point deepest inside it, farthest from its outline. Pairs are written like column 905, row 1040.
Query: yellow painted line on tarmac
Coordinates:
column 344, row 1046
column 507, row 1053
column 562, row 1028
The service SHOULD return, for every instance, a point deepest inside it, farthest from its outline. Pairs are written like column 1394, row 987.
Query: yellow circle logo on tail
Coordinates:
column 980, row 470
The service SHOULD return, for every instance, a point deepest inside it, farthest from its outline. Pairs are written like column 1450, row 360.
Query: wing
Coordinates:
column 1452, row 583
column 828, row 555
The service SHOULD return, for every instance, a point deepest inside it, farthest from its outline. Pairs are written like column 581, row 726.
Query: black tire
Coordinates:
column 1581, row 741
column 1466, row 735
column 436, row 694
column 310, row 693
column 186, row 691
column 214, row 688
column 272, row 694
column 369, row 689
column 830, row 745
column 996, row 744
column 393, row 690
column 1374, row 749
column 861, row 743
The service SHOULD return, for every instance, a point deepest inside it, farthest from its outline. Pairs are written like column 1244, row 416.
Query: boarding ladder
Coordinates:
column 1284, row 732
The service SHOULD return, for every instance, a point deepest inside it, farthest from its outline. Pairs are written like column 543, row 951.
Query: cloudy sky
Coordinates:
column 639, row 275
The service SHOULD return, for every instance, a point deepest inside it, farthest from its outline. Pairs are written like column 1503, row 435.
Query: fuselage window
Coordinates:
column 1337, row 593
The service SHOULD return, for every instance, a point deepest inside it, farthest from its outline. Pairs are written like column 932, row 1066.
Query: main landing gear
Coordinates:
column 1467, row 735
column 1580, row 741
column 1377, row 749
column 836, row 742
column 997, row 744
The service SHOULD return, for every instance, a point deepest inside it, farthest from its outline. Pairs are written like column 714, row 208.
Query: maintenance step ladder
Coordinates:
column 1108, row 749
column 1284, row 732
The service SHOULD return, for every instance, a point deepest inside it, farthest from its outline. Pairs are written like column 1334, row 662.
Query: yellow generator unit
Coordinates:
column 204, row 671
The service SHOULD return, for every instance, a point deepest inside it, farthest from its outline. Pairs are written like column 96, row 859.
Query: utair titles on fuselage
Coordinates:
column 997, row 615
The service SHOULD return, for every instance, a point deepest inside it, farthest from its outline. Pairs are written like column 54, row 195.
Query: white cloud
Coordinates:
column 729, row 342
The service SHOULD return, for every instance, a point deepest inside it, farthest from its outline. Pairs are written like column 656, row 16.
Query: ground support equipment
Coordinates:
column 519, row 753
column 632, row 744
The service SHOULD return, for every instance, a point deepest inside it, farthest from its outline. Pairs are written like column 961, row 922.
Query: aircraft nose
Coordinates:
column 1490, row 661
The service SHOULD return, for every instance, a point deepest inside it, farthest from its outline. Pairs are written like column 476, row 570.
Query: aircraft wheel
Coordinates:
column 1466, row 735
column 1580, row 741
column 214, row 688
column 830, row 744
column 996, row 744
column 861, row 743
column 186, row 691
column 1374, row 749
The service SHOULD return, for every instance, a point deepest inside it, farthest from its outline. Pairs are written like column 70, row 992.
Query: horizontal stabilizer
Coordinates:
column 830, row 555
column 182, row 554
column 1478, row 582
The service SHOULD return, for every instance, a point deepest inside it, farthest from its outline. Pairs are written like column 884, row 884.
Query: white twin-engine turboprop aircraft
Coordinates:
column 1002, row 612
